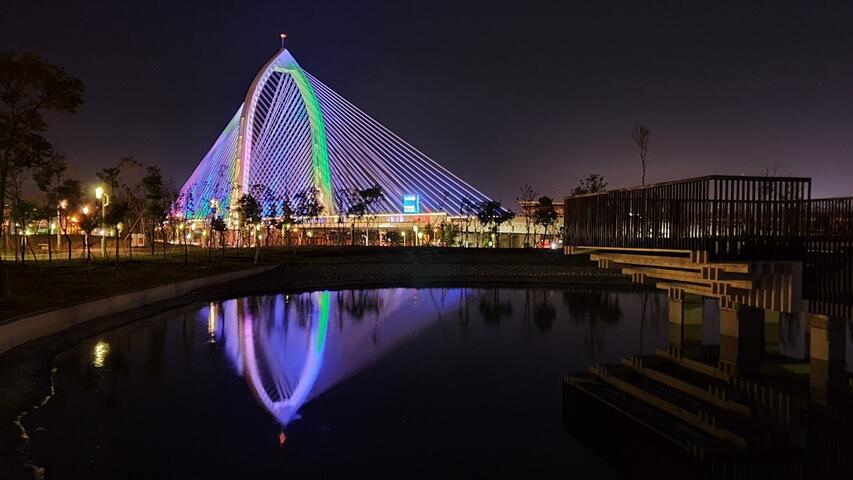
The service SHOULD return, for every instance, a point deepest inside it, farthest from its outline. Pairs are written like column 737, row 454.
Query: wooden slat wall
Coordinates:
column 828, row 269
column 752, row 218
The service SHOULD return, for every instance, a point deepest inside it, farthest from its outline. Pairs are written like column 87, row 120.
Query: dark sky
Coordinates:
column 501, row 93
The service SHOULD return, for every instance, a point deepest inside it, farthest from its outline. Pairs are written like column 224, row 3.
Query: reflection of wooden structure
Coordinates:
column 669, row 415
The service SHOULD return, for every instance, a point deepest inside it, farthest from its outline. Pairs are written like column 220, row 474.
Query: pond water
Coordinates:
column 391, row 380
column 388, row 381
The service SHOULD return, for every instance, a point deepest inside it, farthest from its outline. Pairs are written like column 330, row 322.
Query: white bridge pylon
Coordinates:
column 293, row 132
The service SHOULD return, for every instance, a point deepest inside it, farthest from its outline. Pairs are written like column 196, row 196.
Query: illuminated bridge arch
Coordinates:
column 292, row 132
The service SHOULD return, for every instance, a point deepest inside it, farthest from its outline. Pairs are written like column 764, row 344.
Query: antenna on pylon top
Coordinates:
column 283, row 38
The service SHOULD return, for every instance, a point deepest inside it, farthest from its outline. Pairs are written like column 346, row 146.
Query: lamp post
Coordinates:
column 214, row 207
column 101, row 195
column 62, row 205
column 88, row 252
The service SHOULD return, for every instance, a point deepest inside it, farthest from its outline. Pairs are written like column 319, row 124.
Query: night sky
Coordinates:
column 501, row 93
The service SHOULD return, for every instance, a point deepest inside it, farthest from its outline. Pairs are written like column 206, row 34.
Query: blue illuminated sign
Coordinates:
column 411, row 204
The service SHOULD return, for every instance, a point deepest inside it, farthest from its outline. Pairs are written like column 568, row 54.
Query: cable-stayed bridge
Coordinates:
column 294, row 133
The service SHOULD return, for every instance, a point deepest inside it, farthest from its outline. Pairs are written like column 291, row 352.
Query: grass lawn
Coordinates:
column 35, row 287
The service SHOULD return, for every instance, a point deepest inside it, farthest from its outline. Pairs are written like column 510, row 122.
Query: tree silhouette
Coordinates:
column 491, row 213
column 308, row 206
column 594, row 183
column 545, row 214
column 642, row 136
column 250, row 212
column 526, row 197
column 29, row 88
column 155, row 199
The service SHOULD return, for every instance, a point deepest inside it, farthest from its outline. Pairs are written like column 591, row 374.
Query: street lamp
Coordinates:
column 63, row 204
column 101, row 195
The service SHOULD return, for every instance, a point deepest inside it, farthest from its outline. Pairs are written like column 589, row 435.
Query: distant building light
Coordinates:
column 411, row 204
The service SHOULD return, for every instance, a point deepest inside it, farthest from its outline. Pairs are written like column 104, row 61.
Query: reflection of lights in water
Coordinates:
column 212, row 314
column 291, row 355
column 285, row 406
column 100, row 353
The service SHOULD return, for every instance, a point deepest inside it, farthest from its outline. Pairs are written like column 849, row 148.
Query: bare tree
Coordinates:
column 526, row 198
column 642, row 136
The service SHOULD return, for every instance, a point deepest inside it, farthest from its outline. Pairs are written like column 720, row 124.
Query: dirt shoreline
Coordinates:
column 26, row 371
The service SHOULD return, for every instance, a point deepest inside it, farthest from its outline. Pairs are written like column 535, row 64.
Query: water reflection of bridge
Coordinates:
column 292, row 348
column 770, row 258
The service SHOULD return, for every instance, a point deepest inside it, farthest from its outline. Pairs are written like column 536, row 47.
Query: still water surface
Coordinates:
column 402, row 381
